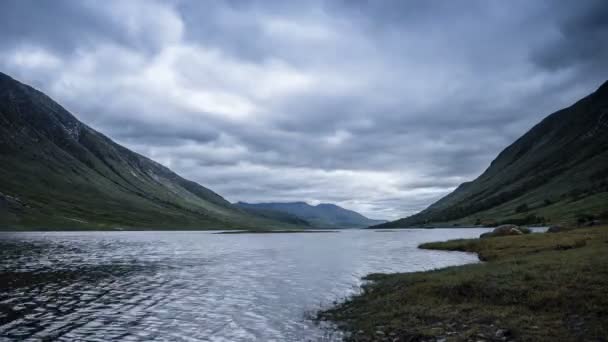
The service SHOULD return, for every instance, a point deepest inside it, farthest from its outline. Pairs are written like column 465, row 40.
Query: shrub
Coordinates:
column 527, row 220
column 522, row 208
column 584, row 218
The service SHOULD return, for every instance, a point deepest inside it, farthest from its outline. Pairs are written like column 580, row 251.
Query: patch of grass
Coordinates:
column 548, row 287
column 517, row 245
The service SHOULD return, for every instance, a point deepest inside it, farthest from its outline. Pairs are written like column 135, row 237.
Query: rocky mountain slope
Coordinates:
column 56, row 172
column 323, row 215
column 556, row 172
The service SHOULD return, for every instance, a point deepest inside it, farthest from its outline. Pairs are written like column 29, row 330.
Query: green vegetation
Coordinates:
column 549, row 287
column 324, row 215
column 58, row 173
column 551, row 175
column 275, row 215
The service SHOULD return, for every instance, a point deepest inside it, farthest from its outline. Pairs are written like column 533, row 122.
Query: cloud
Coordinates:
column 379, row 106
column 580, row 39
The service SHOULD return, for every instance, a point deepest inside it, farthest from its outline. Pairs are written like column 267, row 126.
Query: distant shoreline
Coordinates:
column 276, row 231
column 211, row 230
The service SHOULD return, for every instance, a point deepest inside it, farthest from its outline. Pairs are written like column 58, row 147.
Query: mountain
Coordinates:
column 555, row 173
column 323, row 215
column 56, row 172
column 275, row 215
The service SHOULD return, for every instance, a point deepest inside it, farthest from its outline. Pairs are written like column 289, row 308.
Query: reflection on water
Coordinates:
column 195, row 286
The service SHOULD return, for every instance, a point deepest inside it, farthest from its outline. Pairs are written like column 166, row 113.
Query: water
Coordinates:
column 195, row 286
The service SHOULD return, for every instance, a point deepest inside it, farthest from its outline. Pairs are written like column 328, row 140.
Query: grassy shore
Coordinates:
column 537, row 287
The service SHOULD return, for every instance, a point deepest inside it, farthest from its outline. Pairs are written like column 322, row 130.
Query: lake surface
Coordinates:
column 195, row 286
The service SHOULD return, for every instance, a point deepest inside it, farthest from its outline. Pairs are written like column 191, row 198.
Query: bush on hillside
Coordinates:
column 522, row 208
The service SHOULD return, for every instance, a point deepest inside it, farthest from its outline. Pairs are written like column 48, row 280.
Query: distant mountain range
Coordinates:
column 56, row 172
column 323, row 215
column 555, row 173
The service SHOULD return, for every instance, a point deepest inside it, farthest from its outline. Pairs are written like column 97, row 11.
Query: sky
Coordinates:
column 379, row 106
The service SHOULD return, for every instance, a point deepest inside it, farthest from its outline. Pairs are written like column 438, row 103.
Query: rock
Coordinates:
column 12, row 202
column 506, row 230
column 555, row 229
column 502, row 334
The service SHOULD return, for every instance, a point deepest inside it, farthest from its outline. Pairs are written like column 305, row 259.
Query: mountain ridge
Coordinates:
column 58, row 172
column 556, row 172
column 322, row 215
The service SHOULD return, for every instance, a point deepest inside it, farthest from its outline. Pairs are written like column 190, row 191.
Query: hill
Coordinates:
column 323, row 215
column 276, row 215
column 58, row 173
column 555, row 173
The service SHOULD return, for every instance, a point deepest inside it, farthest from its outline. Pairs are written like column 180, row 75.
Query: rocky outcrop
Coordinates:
column 506, row 230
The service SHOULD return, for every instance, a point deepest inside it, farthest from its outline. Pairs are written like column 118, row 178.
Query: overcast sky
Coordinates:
column 379, row 106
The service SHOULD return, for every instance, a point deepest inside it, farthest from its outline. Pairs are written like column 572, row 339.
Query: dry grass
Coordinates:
column 538, row 287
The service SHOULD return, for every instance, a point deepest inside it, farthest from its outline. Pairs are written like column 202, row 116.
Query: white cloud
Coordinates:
column 298, row 29
column 33, row 58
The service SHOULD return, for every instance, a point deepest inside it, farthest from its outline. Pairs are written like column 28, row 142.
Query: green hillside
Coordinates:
column 58, row 173
column 324, row 215
column 555, row 173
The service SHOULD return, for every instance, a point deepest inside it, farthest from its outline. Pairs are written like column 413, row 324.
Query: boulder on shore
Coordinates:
column 555, row 229
column 506, row 230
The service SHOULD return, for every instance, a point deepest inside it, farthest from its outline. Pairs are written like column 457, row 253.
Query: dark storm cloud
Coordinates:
column 381, row 106
column 581, row 41
column 61, row 25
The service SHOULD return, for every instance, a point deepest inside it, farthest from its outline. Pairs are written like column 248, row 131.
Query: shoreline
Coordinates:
column 548, row 286
column 312, row 231
column 50, row 230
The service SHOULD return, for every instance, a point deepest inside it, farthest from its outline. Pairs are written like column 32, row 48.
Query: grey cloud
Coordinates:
column 141, row 132
column 582, row 40
column 58, row 24
column 62, row 25
column 381, row 106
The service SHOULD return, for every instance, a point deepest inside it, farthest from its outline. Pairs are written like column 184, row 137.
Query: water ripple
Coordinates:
column 194, row 286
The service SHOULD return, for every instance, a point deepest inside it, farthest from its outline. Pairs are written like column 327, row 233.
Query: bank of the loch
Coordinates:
column 537, row 287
